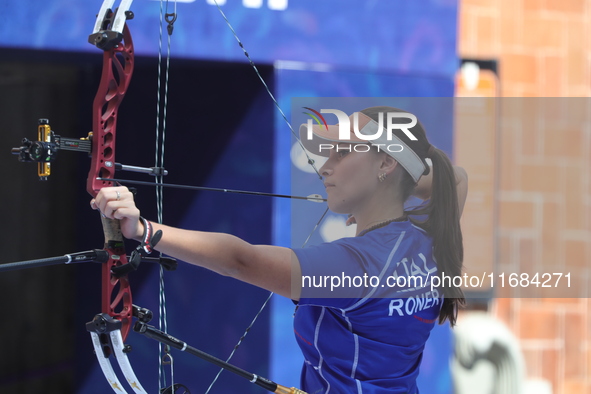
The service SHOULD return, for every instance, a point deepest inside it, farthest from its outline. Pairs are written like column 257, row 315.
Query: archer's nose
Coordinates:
column 325, row 170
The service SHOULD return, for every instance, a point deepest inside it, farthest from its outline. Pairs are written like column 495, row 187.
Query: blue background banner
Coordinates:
column 407, row 36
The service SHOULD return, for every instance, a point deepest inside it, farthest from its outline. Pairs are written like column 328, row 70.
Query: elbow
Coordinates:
column 462, row 188
column 236, row 261
column 461, row 175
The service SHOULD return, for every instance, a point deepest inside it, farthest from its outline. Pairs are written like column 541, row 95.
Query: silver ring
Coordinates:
column 118, row 195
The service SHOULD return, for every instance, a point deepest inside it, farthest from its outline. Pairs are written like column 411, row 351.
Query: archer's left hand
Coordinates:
column 118, row 203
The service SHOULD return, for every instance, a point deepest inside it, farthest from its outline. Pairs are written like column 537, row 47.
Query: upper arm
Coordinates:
column 273, row 268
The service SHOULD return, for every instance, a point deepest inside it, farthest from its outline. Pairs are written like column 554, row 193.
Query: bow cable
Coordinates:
column 170, row 18
column 256, row 70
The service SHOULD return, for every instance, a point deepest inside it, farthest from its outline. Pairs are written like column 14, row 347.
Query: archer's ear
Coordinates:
column 388, row 164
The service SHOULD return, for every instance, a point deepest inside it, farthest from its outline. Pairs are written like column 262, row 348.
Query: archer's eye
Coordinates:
column 342, row 150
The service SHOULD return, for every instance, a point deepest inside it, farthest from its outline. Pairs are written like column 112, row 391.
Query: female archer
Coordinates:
column 366, row 336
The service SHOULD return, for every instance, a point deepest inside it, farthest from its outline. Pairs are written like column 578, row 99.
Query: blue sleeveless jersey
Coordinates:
column 366, row 311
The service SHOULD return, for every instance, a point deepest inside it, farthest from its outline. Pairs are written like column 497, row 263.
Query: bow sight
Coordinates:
column 44, row 151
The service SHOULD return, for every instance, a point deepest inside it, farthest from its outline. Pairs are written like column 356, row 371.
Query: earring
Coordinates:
column 382, row 176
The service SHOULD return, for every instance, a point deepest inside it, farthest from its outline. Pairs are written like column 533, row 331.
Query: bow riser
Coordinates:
column 118, row 65
column 116, row 298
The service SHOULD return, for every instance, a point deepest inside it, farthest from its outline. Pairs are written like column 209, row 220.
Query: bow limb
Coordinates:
column 118, row 62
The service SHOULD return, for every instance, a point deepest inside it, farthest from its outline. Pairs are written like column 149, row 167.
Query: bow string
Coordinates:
column 161, row 112
column 310, row 162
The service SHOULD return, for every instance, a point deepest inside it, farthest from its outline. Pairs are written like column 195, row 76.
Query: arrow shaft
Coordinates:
column 214, row 189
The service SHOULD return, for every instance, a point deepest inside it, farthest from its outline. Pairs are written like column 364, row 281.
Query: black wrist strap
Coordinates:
column 149, row 238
